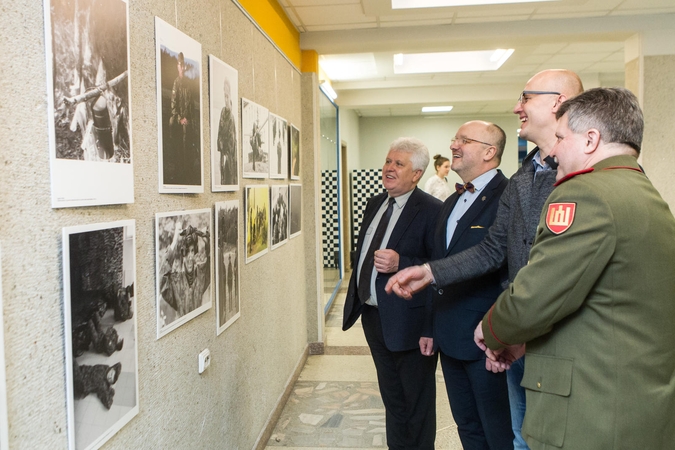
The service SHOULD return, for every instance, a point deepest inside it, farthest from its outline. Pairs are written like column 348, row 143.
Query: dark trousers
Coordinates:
column 408, row 386
column 479, row 401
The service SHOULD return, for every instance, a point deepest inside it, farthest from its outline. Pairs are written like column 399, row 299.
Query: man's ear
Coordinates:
column 490, row 153
column 559, row 101
column 417, row 175
column 592, row 137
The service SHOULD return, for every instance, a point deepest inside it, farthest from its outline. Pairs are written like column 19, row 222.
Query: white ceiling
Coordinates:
column 586, row 36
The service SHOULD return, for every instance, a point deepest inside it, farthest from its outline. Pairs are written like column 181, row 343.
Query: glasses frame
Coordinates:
column 524, row 93
column 467, row 141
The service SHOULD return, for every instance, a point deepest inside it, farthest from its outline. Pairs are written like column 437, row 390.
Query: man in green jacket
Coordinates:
column 596, row 303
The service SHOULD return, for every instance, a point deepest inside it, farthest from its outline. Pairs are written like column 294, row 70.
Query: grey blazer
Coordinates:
column 510, row 237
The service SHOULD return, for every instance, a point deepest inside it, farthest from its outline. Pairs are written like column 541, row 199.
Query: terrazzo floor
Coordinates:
column 336, row 403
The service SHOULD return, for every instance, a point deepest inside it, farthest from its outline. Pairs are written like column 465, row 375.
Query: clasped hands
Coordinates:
column 500, row 359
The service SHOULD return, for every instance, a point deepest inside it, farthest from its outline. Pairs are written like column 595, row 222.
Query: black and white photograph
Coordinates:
column 227, row 268
column 179, row 111
column 257, row 221
column 88, row 91
column 4, row 424
column 294, row 160
column 255, row 139
column 183, row 252
column 99, row 278
column 296, row 210
column 278, row 147
column 279, row 205
column 224, row 114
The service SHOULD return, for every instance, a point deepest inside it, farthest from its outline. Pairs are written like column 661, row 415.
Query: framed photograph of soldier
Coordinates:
column 99, row 278
column 224, row 116
column 278, row 147
column 179, row 111
column 279, row 205
column 294, row 159
column 227, row 266
column 4, row 423
column 89, row 106
column 183, row 261
column 254, row 140
column 296, row 210
column 257, row 221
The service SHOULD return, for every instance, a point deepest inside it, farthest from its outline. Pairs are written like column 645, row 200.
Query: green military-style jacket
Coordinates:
column 596, row 307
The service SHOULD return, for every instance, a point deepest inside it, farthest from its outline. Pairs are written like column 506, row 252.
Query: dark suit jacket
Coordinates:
column 458, row 308
column 403, row 321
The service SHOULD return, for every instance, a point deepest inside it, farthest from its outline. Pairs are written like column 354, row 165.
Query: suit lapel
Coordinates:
column 409, row 212
column 442, row 224
column 467, row 219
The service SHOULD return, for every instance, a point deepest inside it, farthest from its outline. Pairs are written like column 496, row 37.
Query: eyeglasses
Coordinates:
column 522, row 99
column 467, row 141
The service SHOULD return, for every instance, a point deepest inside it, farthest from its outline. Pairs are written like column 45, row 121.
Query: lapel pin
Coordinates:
column 483, row 199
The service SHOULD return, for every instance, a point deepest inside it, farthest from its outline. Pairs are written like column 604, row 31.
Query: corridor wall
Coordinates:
column 228, row 405
column 376, row 133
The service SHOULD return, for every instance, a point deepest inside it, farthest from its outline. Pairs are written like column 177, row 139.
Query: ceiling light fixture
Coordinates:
column 474, row 61
column 328, row 90
column 436, row 109
column 354, row 66
column 412, row 4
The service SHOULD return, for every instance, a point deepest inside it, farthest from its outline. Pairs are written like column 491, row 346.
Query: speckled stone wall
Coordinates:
column 659, row 140
column 227, row 406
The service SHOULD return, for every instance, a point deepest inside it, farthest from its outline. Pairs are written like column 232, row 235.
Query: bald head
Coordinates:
column 564, row 81
column 476, row 149
column 542, row 96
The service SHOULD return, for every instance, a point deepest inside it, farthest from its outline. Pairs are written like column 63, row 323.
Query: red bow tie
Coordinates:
column 461, row 188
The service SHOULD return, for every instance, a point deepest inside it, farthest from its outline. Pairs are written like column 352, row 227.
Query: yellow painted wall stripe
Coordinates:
column 270, row 16
column 310, row 61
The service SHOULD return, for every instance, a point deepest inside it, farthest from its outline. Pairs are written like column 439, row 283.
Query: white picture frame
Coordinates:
column 254, row 139
column 224, row 119
column 257, row 223
column 101, row 338
column 184, row 256
column 89, row 103
column 228, row 293
column 179, row 111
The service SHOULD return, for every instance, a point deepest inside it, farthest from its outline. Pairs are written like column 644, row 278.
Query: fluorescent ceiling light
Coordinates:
column 411, row 4
column 355, row 66
column 328, row 90
column 450, row 61
column 436, row 109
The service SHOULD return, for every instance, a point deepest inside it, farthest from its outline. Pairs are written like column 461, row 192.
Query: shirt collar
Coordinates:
column 538, row 163
column 481, row 181
column 401, row 200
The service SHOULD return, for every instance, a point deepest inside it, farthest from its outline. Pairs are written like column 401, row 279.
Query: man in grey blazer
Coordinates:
column 513, row 231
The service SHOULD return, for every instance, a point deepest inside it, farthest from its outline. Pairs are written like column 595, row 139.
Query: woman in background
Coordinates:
column 437, row 185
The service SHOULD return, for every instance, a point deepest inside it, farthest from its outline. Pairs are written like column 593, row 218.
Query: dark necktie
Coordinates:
column 461, row 188
column 369, row 260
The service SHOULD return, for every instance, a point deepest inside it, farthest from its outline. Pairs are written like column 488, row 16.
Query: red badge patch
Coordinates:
column 560, row 217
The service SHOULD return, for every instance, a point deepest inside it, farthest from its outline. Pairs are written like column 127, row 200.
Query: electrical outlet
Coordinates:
column 204, row 360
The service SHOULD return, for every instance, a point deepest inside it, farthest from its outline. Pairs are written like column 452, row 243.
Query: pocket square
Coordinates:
column 476, row 226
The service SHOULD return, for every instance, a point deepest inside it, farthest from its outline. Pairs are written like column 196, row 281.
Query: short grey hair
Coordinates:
column 615, row 112
column 419, row 154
